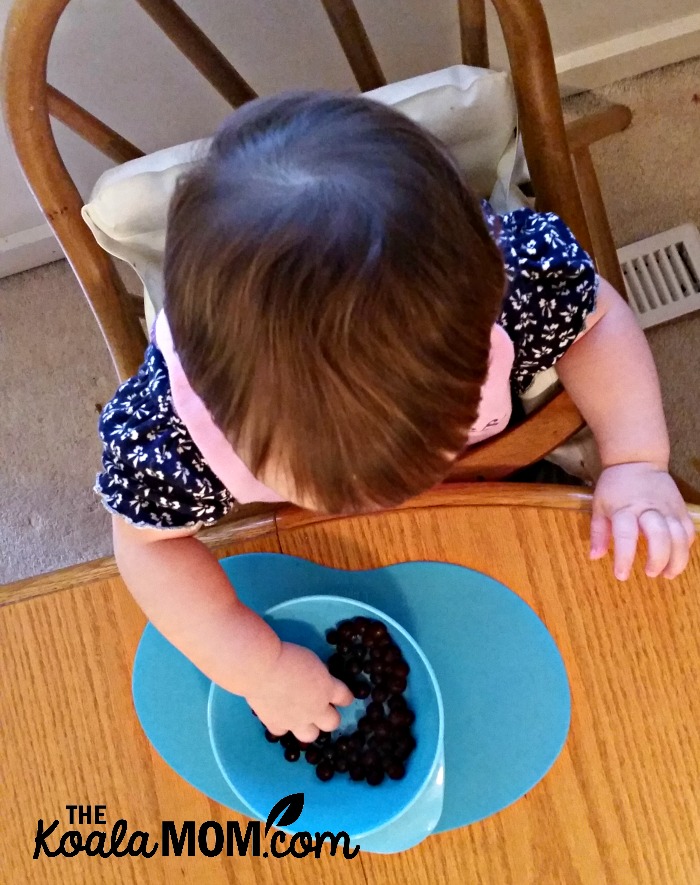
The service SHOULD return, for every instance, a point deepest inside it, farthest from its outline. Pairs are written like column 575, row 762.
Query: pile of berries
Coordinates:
column 371, row 665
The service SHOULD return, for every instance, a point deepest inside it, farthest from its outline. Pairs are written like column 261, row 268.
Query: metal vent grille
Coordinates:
column 662, row 275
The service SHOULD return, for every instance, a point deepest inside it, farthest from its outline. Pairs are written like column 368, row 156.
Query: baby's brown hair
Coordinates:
column 331, row 285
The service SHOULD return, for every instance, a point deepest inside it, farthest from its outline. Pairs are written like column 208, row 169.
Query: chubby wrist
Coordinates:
column 656, row 453
column 657, row 463
column 263, row 665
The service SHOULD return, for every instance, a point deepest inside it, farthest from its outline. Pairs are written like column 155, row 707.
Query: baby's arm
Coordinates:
column 610, row 374
column 185, row 594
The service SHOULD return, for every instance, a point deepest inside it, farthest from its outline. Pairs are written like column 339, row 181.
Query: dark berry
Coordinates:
column 361, row 624
column 342, row 745
column 324, row 771
column 341, row 763
column 380, row 693
column 378, row 670
column 397, row 703
column 357, row 773
column 367, row 667
column 374, row 776
column 395, row 770
column 272, row 738
column 361, row 689
column 370, row 759
column 382, row 729
column 376, row 653
column 292, row 754
column 332, row 636
column 354, row 667
column 385, row 748
column 289, row 740
column 400, row 718
column 396, row 684
column 345, row 629
column 328, row 752
column 402, row 733
column 400, row 669
column 402, row 751
column 344, row 646
column 390, row 653
column 374, row 711
column 364, row 725
column 335, row 664
column 323, row 738
column 404, row 747
column 313, row 755
column 356, row 741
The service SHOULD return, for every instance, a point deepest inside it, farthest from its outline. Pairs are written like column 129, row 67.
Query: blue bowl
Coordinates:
column 259, row 775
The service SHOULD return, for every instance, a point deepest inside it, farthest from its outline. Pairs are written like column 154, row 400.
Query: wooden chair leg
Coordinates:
column 581, row 134
column 593, row 127
column 597, row 218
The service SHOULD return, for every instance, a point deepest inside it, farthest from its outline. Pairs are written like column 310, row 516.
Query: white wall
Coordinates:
column 111, row 58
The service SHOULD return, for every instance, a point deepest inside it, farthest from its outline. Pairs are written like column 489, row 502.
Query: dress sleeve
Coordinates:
column 152, row 473
column 552, row 288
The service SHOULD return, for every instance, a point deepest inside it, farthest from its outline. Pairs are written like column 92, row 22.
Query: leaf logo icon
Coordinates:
column 290, row 807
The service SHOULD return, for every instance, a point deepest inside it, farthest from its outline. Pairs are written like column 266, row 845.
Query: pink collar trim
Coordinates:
column 495, row 406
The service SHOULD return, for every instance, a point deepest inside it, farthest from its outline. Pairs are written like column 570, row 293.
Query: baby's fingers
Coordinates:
column 341, row 695
column 328, row 720
column 689, row 529
column 680, row 549
column 659, row 544
column 306, row 734
column 625, row 532
column 600, row 535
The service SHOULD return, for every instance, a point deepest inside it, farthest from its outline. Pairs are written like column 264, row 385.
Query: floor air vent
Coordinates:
column 662, row 275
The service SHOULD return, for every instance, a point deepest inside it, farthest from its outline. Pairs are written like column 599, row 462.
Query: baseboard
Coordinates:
column 27, row 249
column 627, row 56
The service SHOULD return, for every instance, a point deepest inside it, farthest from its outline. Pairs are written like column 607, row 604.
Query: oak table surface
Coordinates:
column 621, row 805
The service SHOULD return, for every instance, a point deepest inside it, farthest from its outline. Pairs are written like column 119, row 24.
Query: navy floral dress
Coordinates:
column 153, row 474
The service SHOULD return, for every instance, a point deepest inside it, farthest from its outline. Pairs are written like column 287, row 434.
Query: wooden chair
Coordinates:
column 558, row 157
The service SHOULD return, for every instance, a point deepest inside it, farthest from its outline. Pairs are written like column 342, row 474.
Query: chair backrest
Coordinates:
column 29, row 102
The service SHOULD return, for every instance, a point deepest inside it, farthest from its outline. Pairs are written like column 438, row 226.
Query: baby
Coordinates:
column 339, row 307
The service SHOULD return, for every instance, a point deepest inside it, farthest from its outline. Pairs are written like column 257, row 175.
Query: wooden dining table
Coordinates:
column 621, row 805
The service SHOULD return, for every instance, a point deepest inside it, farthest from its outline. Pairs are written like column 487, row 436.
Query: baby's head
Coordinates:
column 331, row 286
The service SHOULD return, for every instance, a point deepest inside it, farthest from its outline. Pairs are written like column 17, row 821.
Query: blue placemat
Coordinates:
column 503, row 682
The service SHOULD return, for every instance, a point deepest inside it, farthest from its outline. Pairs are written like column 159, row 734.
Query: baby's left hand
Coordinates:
column 640, row 495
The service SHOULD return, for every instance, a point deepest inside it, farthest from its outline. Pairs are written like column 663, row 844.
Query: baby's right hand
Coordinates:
column 299, row 695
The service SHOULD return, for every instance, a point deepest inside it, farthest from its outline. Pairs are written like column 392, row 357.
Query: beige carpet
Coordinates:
column 55, row 371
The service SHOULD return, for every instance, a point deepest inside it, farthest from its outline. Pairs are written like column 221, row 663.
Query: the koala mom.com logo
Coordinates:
column 210, row 838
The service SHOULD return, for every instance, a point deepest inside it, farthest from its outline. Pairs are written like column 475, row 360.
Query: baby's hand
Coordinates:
column 630, row 497
column 299, row 695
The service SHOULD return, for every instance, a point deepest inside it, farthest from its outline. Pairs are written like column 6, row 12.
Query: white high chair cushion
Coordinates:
column 471, row 109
